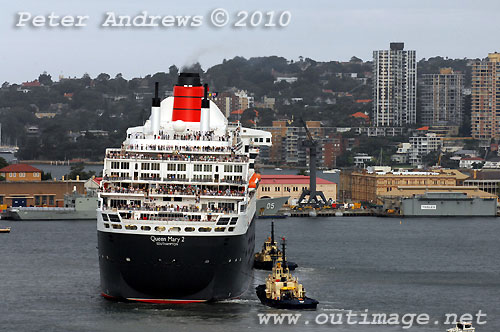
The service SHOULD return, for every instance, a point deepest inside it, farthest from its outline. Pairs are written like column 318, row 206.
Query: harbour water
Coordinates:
column 49, row 277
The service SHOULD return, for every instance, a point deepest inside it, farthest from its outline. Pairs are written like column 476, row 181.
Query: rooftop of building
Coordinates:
column 360, row 115
column 410, row 191
column 290, row 179
column 485, row 174
column 16, row 168
column 472, row 158
column 404, row 172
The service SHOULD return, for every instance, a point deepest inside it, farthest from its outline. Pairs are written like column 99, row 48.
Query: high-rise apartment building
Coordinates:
column 442, row 98
column 485, row 117
column 394, row 87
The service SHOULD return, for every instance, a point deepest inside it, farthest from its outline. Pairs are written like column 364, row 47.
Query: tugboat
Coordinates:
column 462, row 327
column 263, row 260
column 282, row 290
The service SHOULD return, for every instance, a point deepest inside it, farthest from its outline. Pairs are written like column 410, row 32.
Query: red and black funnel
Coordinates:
column 187, row 98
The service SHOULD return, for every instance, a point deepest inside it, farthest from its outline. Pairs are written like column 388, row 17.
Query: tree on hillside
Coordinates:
column 78, row 170
column 3, row 162
column 173, row 71
column 45, row 79
column 103, row 77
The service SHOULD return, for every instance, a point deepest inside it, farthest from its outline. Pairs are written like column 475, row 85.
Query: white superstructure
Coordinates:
column 181, row 178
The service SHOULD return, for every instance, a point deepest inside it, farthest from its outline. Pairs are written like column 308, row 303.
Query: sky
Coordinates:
column 323, row 30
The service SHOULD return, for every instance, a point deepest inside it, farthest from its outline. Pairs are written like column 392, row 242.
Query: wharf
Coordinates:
column 333, row 213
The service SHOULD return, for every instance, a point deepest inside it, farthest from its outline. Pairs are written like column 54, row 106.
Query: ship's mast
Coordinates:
column 283, row 244
column 272, row 232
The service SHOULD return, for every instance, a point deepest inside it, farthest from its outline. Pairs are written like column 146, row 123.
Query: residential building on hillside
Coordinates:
column 394, row 87
column 21, row 172
column 422, row 146
column 288, row 148
column 227, row 102
column 442, row 98
column 485, row 117
column 471, row 162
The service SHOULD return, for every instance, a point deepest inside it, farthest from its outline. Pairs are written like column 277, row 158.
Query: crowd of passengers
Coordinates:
column 189, row 136
column 175, row 157
column 172, row 208
column 180, row 148
column 175, row 190
column 122, row 190
column 173, row 177
column 193, row 190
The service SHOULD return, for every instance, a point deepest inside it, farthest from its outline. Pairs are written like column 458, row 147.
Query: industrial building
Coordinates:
column 439, row 201
column 38, row 193
column 368, row 185
column 273, row 186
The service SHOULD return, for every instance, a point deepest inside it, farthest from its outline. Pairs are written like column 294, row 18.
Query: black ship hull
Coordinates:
column 175, row 269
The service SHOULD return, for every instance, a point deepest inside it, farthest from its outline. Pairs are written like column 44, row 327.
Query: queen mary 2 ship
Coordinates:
column 175, row 218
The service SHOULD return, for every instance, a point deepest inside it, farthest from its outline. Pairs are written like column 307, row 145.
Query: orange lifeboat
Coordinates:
column 254, row 180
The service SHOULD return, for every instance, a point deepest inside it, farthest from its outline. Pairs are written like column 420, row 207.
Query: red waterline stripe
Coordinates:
column 109, row 297
column 156, row 301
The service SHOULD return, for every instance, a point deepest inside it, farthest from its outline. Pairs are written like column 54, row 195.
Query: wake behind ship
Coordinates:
column 177, row 202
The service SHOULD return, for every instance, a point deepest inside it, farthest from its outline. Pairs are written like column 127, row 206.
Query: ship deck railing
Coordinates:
column 181, row 180
column 176, row 194
column 195, row 136
column 43, row 208
column 168, row 210
column 175, row 147
column 177, row 157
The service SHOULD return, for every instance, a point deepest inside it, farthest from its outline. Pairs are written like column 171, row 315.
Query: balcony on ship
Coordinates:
column 119, row 154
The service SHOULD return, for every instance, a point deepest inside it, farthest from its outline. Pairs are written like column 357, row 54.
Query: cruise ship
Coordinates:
column 176, row 207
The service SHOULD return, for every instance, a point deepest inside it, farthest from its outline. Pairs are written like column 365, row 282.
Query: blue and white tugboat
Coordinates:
column 282, row 290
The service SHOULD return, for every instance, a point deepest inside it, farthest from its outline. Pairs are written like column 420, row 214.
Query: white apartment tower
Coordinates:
column 394, row 87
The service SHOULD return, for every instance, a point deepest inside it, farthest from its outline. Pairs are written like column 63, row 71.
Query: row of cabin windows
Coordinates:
column 233, row 168
column 117, row 174
column 261, row 139
column 202, row 168
column 202, row 178
column 178, row 167
column 171, row 229
column 150, row 166
column 174, row 167
column 144, row 166
column 288, row 189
